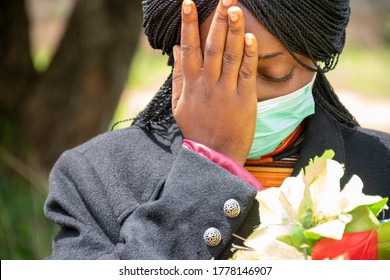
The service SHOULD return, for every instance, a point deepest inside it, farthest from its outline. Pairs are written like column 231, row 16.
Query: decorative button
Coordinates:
column 212, row 237
column 231, row 208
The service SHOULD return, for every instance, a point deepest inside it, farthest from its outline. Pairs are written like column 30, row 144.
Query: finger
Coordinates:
column 216, row 40
column 192, row 59
column 177, row 78
column 234, row 49
column 247, row 72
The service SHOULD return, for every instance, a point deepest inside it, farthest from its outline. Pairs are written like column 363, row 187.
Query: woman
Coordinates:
column 247, row 105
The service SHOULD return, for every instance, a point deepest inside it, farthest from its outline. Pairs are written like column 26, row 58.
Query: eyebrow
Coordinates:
column 270, row 55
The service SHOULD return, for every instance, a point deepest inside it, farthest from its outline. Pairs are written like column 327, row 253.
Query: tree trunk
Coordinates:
column 17, row 73
column 76, row 97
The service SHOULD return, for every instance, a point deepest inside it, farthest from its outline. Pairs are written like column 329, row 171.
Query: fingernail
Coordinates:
column 233, row 16
column 187, row 7
column 227, row 3
column 249, row 39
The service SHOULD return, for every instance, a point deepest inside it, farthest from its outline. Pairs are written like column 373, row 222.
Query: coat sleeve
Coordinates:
column 82, row 219
column 169, row 225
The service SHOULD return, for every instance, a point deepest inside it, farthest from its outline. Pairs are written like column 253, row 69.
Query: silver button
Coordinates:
column 212, row 237
column 231, row 208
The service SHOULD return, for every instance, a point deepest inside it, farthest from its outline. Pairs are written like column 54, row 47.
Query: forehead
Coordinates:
column 267, row 41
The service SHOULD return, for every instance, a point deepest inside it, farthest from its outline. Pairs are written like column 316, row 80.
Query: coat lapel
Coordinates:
column 322, row 133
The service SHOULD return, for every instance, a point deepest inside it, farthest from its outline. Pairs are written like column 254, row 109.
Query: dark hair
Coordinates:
column 313, row 28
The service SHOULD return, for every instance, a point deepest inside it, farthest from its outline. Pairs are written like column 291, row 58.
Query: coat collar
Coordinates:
column 322, row 133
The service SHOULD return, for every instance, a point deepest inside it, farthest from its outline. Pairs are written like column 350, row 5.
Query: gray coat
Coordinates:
column 131, row 194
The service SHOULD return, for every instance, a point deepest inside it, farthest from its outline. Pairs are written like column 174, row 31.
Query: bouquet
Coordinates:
column 309, row 217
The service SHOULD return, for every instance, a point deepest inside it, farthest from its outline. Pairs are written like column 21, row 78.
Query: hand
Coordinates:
column 214, row 97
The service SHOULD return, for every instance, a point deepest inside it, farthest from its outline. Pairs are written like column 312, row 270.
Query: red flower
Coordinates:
column 353, row 246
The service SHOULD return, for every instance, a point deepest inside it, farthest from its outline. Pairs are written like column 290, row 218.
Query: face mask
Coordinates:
column 278, row 117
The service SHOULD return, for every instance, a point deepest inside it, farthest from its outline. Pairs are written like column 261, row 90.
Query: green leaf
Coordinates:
column 384, row 241
column 363, row 219
column 376, row 208
column 312, row 235
column 315, row 166
column 305, row 211
column 297, row 238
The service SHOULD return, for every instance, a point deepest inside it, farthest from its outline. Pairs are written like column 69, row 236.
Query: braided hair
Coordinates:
column 313, row 28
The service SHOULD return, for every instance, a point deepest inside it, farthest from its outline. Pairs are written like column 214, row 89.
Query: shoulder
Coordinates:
column 125, row 165
column 364, row 140
column 109, row 142
column 104, row 151
column 364, row 152
column 331, row 130
column 378, row 136
column 124, row 146
column 368, row 156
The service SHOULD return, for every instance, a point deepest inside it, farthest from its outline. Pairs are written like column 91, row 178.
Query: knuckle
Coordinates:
column 220, row 17
column 251, row 53
column 236, row 30
column 212, row 50
column 246, row 72
column 188, row 49
column 231, row 58
column 177, row 76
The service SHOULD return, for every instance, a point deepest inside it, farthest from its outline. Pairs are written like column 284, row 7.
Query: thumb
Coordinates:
column 177, row 78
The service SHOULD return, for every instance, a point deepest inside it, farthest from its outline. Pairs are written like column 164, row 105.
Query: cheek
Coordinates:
column 268, row 90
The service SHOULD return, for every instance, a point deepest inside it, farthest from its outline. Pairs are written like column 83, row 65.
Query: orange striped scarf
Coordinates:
column 271, row 172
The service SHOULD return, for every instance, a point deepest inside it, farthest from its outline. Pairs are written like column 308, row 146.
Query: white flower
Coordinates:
column 325, row 191
column 266, row 245
column 352, row 196
column 280, row 205
column 333, row 229
column 308, row 207
column 329, row 205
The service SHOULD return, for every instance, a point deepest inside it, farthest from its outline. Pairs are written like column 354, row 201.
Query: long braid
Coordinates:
column 158, row 113
column 313, row 28
column 326, row 98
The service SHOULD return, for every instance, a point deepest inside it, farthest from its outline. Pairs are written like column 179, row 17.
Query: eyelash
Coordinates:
column 278, row 80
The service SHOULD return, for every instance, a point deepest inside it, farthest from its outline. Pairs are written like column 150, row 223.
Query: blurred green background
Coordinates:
column 362, row 81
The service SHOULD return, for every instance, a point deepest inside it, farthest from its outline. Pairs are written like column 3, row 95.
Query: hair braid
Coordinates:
column 326, row 98
column 313, row 28
column 158, row 113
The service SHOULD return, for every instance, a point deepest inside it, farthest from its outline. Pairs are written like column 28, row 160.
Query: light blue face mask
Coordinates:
column 278, row 117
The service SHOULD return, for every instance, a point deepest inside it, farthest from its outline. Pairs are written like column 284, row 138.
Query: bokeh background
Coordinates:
column 70, row 69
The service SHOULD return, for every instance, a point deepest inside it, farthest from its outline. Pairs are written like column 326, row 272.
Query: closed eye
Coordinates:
column 278, row 80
